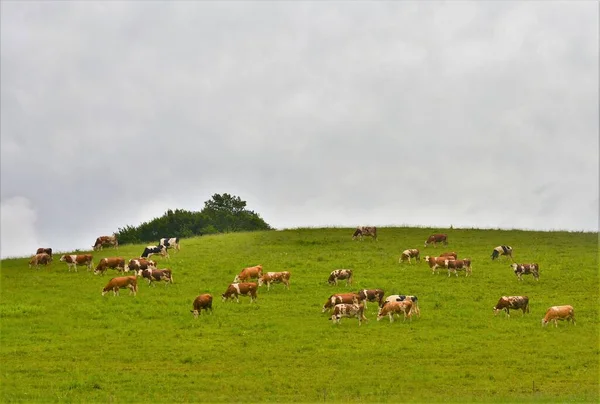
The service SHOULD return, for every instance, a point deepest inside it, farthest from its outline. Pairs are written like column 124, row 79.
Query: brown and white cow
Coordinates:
column 47, row 250
column 505, row 250
column 129, row 282
column 436, row 238
column 395, row 307
column 117, row 263
column 202, row 302
column 139, row 264
column 365, row 231
column 408, row 254
column 75, row 260
column 246, row 274
column 338, row 274
column 454, row 266
column 556, row 313
column 451, row 254
column 349, row 311
column 371, row 295
column 157, row 275
column 400, row 298
column 526, row 269
column 436, row 263
column 40, row 259
column 244, row 289
column 275, row 277
column 512, row 302
column 339, row 298
column 106, row 241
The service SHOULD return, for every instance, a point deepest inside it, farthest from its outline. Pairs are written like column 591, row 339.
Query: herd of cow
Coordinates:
column 340, row 304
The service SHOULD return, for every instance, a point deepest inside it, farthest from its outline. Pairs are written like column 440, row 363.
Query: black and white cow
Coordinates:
column 505, row 250
column 526, row 269
column 172, row 242
column 152, row 249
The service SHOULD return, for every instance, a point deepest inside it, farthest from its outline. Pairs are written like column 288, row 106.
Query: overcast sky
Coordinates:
column 471, row 114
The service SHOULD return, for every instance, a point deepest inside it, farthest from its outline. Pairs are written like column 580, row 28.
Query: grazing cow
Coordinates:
column 106, row 240
column 157, row 275
column 526, row 269
column 117, row 263
column 139, row 264
column 236, row 289
column 363, row 231
column 435, row 263
column 129, row 282
column 436, row 238
column 348, row 310
column 202, row 302
column 275, row 277
column 172, row 242
column 155, row 250
column 555, row 313
column 338, row 274
column 400, row 298
column 512, row 302
column 40, row 259
column 73, row 261
column 408, row 254
column 246, row 274
column 505, row 250
column 391, row 308
column 339, row 298
column 449, row 255
column 45, row 250
column 458, row 265
column 371, row 295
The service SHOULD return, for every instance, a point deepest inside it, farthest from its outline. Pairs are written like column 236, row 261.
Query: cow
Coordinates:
column 348, row 310
column 275, row 277
column 512, row 302
column 526, row 269
column 172, row 242
column 400, row 298
column 157, row 275
column 395, row 307
column 436, row 238
column 435, row 263
column 408, row 254
column 338, row 298
column 155, row 250
column 458, row 265
column 555, row 313
column 246, row 274
column 75, row 260
column 139, row 264
column 105, row 240
column 362, row 231
column 45, row 250
column 505, row 250
column 449, row 255
column 371, row 295
column 202, row 302
column 40, row 259
column 117, row 263
column 338, row 274
column 236, row 289
column 129, row 282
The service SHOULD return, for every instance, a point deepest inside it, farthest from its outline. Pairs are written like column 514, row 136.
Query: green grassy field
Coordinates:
column 61, row 341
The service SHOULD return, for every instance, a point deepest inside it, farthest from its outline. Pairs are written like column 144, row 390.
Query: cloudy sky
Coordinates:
column 472, row 114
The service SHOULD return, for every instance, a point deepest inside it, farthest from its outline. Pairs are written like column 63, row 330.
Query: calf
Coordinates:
column 452, row 255
column 436, row 238
column 555, row 313
column 348, row 310
column 512, row 302
column 152, row 250
column 408, row 254
column 45, row 250
column 505, row 250
column 370, row 295
column 73, row 261
column 236, row 289
column 202, row 302
column 172, row 242
column 117, row 263
column 40, row 259
column 275, row 277
column 157, row 275
column 139, row 264
column 526, row 269
column 106, row 240
column 391, row 308
column 458, row 265
column 400, row 298
column 338, row 298
column 129, row 282
column 338, row 274
column 435, row 263
column 246, row 274
column 362, row 231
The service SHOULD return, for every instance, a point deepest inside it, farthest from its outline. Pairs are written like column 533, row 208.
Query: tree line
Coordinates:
column 221, row 214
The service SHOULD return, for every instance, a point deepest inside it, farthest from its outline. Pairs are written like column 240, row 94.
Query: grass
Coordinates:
column 61, row 341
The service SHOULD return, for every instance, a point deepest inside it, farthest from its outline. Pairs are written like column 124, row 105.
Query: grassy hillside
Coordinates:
column 61, row 341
